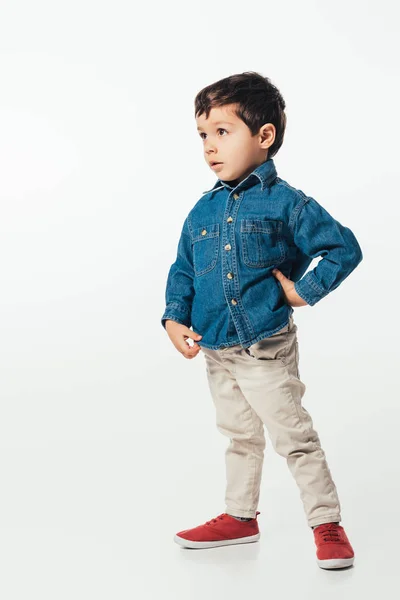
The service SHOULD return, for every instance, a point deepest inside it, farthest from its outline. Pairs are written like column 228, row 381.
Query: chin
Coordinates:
column 229, row 177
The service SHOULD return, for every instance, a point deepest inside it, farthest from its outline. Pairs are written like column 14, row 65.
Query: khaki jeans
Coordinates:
column 257, row 386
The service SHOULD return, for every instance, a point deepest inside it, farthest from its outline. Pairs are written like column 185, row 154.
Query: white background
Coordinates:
column 107, row 434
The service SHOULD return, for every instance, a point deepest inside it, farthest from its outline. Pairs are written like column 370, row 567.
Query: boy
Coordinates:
column 226, row 284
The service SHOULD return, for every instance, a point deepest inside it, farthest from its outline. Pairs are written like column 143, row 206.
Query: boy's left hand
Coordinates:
column 292, row 297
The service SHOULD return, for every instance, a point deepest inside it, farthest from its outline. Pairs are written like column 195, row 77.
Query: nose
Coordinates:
column 209, row 147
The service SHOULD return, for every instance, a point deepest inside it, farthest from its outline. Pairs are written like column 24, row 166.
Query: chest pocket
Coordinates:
column 263, row 244
column 205, row 248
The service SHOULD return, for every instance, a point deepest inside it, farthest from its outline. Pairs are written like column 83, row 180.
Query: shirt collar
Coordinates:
column 265, row 173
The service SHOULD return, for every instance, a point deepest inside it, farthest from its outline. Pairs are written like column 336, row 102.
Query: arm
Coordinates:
column 317, row 233
column 179, row 289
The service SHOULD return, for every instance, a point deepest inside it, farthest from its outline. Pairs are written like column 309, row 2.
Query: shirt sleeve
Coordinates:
column 179, row 291
column 317, row 233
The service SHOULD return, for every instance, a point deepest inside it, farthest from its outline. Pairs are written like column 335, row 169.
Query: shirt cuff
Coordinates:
column 176, row 312
column 309, row 289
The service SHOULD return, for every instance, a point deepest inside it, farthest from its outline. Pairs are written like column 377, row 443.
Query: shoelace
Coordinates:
column 331, row 534
column 220, row 517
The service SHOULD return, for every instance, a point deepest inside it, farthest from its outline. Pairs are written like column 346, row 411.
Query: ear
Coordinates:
column 267, row 135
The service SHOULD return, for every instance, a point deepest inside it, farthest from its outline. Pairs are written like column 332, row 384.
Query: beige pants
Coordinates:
column 258, row 386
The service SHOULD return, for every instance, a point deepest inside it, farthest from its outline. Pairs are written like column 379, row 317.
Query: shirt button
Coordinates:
column 229, row 220
column 204, row 232
column 233, row 301
column 230, row 275
column 228, row 247
column 236, row 196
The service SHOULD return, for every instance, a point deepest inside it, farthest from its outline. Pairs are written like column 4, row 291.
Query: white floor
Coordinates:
column 96, row 518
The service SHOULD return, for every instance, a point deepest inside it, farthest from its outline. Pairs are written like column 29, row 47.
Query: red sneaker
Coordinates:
column 333, row 547
column 221, row 531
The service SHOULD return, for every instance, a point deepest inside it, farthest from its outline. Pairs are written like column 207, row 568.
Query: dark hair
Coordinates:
column 258, row 102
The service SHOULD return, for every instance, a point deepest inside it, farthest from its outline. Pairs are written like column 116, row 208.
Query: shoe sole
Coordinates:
column 335, row 563
column 190, row 544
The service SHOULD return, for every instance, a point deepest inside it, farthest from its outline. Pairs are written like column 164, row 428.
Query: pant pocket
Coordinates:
column 270, row 348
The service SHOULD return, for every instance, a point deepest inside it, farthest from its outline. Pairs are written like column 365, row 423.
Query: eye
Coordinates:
column 219, row 129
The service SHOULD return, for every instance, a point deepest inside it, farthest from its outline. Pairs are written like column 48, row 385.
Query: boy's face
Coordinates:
column 228, row 141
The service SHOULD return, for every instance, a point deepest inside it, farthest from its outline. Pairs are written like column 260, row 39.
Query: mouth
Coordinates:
column 215, row 164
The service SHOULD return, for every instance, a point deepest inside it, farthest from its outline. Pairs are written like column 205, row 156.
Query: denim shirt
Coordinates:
column 221, row 283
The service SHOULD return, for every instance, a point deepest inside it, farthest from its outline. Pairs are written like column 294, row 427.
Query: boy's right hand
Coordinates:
column 178, row 334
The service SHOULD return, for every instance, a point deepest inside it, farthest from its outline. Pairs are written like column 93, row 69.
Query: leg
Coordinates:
column 268, row 376
column 238, row 421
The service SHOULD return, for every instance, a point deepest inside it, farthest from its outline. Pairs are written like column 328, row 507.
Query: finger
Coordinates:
column 190, row 352
column 186, row 347
column 196, row 337
column 193, row 347
column 193, row 335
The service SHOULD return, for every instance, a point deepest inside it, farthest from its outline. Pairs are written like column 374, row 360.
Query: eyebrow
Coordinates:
column 221, row 123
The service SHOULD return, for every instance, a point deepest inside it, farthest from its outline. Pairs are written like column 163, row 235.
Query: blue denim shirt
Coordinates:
column 221, row 283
